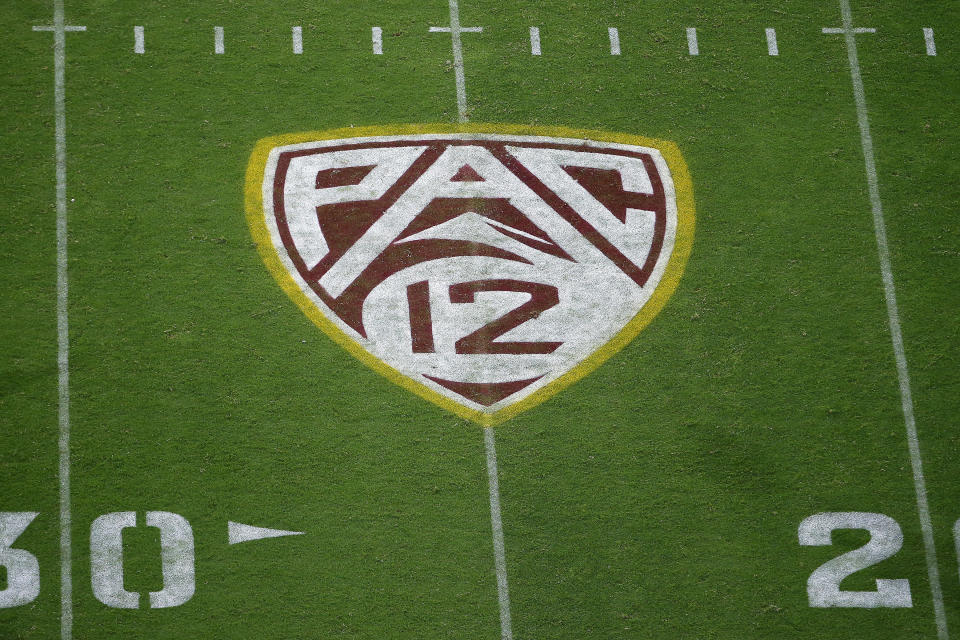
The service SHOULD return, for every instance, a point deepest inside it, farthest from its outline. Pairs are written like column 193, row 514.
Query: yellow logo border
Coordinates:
column 683, row 245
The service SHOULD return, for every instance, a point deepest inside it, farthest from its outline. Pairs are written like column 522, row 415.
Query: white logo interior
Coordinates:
column 482, row 266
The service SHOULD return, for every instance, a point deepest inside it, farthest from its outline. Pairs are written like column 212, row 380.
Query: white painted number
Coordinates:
column 176, row 555
column 23, row 570
column 823, row 586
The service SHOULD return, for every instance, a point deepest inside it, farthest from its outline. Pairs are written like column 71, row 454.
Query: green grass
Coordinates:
column 657, row 498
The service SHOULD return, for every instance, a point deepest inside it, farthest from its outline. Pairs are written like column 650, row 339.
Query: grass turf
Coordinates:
column 657, row 498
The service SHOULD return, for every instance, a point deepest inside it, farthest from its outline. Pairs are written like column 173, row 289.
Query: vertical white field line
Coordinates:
column 218, row 40
column 458, row 61
column 893, row 317
column 376, row 34
column 693, row 46
column 772, row 48
column 956, row 541
column 63, row 325
column 496, row 523
column 928, row 39
column 138, row 44
column 614, row 34
column 297, row 34
column 534, row 41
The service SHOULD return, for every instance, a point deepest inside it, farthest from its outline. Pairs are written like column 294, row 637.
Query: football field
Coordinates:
column 671, row 351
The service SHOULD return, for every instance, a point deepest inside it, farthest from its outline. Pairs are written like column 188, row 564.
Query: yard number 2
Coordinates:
column 823, row 586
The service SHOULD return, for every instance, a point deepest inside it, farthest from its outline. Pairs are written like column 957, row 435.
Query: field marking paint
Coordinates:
column 614, row 34
column 106, row 560
column 693, row 47
column 835, row 30
column 886, row 539
column 260, row 190
column 496, row 524
column 462, row 29
column 218, row 40
column 177, row 560
column 238, row 532
column 956, row 541
column 297, row 34
column 772, row 48
column 22, row 567
column 54, row 28
column 138, row 44
column 534, row 41
column 59, row 30
column 455, row 30
column 376, row 34
column 928, row 39
column 893, row 316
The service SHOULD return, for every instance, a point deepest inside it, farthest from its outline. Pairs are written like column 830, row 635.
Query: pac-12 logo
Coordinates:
column 482, row 267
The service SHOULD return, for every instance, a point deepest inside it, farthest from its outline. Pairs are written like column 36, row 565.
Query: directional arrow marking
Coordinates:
column 237, row 532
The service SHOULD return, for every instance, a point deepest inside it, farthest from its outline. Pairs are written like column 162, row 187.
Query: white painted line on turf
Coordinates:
column 842, row 30
column 462, row 29
column 54, row 28
column 297, row 34
column 376, row 35
column 534, row 41
column 59, row 29
column 496, row 523
column 928, row 39
column 893, row 317
column 693, row 47
column 772, row 48
column 238, row 532
column 455, row 30
column 138, row 44
column 63, row 326
column 614, row 34
column 218, row 40
column 956, row 541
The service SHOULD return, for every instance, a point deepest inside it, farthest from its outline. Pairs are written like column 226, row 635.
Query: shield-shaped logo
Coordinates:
column 482, row 267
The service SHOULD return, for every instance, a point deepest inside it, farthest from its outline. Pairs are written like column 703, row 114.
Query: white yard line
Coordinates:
column 893, row 317
column 63, row 326
column 772, row 48
column 458, row 61
column 496, row 522
column 956, row 541
column 376, row 34
column 138, row 43
column 297, row 35
column 535, row 41
column 614, row 34
column 59, row 30
column 693, row 47
column 928, row 39
column 218, row 40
